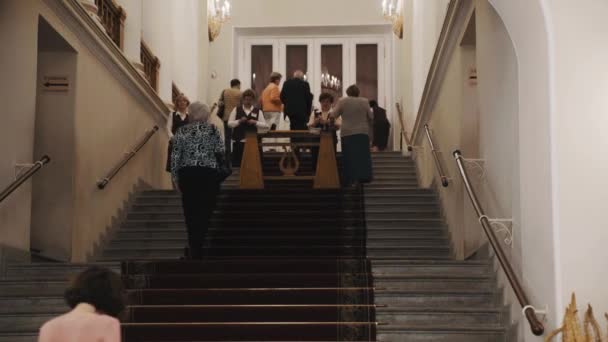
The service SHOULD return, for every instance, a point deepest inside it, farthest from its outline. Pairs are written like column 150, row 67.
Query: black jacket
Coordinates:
column 381, row 128
column 297, row 98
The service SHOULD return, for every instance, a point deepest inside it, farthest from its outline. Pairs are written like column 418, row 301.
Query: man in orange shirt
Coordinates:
column 271, row 102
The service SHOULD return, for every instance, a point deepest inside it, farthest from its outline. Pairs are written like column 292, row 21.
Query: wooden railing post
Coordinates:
column 251, row 175
column 112, row 18
column 151, row 65
column 327, row 166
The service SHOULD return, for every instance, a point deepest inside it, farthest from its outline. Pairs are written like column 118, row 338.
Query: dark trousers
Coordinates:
column 199, row 187
column 237, row 153
column 228, row 141
column 298, row 124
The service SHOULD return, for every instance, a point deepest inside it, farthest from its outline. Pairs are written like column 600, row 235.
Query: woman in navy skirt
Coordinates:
column 357, row 119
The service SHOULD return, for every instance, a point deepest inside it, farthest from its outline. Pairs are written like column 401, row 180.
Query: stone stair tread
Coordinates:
column 435, row 292
column 446, row 310
column 439, row 329
column 432, row 262
column 437, row 277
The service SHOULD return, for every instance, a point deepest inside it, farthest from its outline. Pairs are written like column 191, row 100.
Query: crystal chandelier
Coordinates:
column 330, row 82
column 218, row 12
column 392, row 10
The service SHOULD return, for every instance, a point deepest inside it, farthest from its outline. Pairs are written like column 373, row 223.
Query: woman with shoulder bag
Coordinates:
column 197, row 167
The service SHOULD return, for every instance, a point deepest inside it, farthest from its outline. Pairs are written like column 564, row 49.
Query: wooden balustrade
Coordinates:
column 112, row 18
column 325, row 177
column 151, row 65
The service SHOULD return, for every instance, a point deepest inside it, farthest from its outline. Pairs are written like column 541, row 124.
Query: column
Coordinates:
column 133, row 31
column 157, row 33
column 91, row 7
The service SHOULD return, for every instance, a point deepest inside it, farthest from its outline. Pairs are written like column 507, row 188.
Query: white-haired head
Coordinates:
column 198, row 111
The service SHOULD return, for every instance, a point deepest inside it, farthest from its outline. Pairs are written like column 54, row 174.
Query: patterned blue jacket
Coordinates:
column 195, row 144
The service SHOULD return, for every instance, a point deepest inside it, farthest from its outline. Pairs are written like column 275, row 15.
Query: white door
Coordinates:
column 296, row 54
column 260, row 58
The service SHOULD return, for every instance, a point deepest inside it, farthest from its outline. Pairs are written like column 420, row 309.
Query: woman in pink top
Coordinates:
column 97, row 299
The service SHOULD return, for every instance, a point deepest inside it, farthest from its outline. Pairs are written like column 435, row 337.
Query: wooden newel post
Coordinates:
column 327, row 166
column 251, row 165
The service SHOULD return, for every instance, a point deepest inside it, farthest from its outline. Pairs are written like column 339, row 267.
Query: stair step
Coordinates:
column 15, row 323
column 63, row 269
column 449, row 333
column 439, row 316
column 235, row 241
column 413, row 282
column 34, row 288
column 32, row 305
column 246, row 313
column 243, row 331
column 463, row 298
column 269, row 235
column 19, row 337
column 251, row 296
column 383, row 267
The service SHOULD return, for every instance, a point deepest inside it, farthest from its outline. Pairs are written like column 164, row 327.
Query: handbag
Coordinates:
column 221, row 109
column 224, row 170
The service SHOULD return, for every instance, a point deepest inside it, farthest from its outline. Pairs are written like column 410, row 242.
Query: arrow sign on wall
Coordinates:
column 56, row 83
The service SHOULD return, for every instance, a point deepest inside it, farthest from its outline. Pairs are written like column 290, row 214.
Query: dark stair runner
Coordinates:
column 279, row 266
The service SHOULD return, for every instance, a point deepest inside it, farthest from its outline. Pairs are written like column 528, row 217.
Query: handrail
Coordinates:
column 444, row 179
column 403, row 131
column 27, row 175
column 101, row 184
column 529, row 311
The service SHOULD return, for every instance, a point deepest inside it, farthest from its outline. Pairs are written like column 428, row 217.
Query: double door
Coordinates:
column 329, row 64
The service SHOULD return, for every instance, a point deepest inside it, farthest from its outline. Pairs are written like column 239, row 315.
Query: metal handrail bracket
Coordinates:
column 528, row 310
column 23, row 177
column 435, row 152
column 103, row 182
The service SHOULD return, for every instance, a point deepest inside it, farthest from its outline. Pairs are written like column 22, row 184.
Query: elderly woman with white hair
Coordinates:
column 194, row 167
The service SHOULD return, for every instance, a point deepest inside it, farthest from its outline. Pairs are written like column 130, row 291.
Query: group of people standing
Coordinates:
column 202, row 142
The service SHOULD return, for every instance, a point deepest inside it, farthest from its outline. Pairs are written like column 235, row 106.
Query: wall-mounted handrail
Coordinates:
column 529, row 311
column 25, row 176
column 444, row 178
column 404, row 135
column 101, row 184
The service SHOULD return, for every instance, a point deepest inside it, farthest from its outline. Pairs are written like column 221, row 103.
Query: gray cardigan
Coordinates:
column 356, row 116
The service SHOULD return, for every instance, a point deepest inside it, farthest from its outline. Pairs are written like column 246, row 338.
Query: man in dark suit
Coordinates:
column 297, row 98
column 382, row 127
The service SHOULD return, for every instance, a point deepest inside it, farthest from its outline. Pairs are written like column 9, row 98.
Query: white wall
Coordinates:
column 186, row 59
column 497, row 73
column 133, row 28
column 268, row 13
column 580, row 145
column 18, row 32
column 427, row 20
column 52, row 190
column 158, row 35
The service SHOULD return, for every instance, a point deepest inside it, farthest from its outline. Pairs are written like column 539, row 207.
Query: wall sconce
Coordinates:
column 218, row 12
column 393, row 12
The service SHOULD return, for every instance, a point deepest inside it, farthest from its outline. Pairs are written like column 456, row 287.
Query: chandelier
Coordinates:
column 330, row 82
column 392, row 10
column 218, row 12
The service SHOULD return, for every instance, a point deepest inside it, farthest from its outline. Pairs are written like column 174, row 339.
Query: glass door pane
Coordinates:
column 367, row 70
column 261, row 66
column 332, row 75
column 296, row 59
